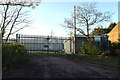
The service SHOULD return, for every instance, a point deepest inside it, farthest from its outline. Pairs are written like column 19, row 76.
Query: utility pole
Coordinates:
column 74, row 42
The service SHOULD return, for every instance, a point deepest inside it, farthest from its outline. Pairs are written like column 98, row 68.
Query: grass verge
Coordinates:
column 111, row 61
column 108, row 61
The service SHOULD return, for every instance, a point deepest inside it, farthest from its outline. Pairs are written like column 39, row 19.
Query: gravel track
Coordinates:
column 42, row 66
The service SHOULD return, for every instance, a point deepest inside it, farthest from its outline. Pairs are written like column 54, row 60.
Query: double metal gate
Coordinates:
column 41, row 43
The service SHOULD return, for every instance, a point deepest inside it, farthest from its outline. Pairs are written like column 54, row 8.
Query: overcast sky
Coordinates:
column 48, row 16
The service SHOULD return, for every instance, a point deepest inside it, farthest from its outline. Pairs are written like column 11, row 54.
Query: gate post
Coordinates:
column 17, row 37
column 1, row 40
column 48, row 45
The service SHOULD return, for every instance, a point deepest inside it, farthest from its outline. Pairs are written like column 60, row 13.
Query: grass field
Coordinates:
column 111, row 61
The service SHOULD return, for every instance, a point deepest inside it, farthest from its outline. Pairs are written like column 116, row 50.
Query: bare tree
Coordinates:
column 88, row 15
column 24, row 3
column 13, row 18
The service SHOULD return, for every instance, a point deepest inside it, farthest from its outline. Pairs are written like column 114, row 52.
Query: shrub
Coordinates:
column 83, row 49
column 106, row 53
column 89, row 48
column 115, row 49
column 12, row 55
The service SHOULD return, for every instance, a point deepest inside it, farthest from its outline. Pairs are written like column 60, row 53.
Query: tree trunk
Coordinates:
column 3, row 26
column 87, row 30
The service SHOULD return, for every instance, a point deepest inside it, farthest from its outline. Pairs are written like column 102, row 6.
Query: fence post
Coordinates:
column 1, row 54
column 16, row 38
column 48, row 45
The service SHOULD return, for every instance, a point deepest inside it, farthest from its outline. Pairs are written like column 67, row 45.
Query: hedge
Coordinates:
column 115, row 49
column 13, row 54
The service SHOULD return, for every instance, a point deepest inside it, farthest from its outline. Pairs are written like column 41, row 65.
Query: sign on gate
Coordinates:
column 52, row 41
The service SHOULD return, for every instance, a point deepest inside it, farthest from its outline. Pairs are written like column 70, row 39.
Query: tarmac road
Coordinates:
column 41, row 66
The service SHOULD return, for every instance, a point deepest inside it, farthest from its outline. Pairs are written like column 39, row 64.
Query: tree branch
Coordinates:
column 13, row 23
column 3, row 26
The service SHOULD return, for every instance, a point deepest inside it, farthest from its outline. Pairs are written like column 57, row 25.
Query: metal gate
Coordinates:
column 41, row 44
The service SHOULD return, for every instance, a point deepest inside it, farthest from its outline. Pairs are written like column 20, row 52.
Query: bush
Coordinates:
column 12, row 55
column 106, row 53
column 89, row 48
column 115, row 49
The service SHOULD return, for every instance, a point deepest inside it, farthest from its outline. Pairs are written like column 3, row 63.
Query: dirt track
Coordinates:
column 41, row 66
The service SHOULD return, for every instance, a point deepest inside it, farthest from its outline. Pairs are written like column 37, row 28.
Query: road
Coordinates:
column 41, row 66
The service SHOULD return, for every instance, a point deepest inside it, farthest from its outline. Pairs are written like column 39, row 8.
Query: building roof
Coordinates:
column 92, row 36
column 114, row 34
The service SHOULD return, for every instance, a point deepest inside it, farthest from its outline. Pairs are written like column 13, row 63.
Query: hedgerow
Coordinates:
column 13, row 54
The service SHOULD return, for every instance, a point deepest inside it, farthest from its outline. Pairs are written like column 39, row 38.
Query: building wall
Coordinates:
column 114, row 34
column 119, row 32
column 67, row 46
